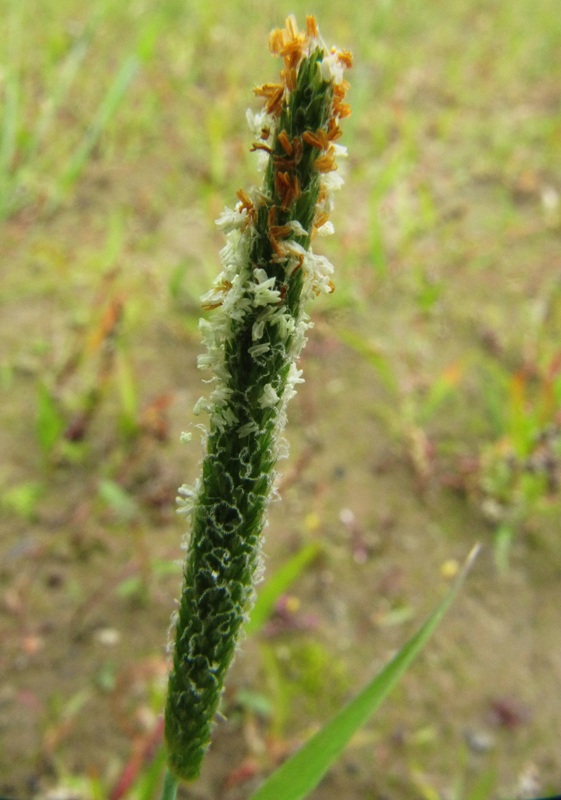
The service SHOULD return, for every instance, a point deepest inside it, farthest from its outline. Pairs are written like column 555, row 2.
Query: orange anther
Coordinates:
column 284, row 162
column 288, row 43
column 287, row 188
column 258, row 146
column 291, row 26
column 244, row 199
column 318, row 139
column 320, row 219
column 273, row 94
column 276, row 41
column 312, row 27
column 247, row 204
column 340, row 109
column 326, row 162
column 346, row 58
column 280, row 231
column 285, row 142
column 333, row 129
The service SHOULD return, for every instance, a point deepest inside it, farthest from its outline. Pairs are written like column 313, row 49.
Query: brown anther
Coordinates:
column 320, row 219
column 282, row 182
column 273, row 94
column 284, row 162
column 323, row 196
column 258, row 146
column 287, row 188
column 277, row 247
column 318, row 139
column 340, row 109
column 245, row 200
column 326, row 162
column 300, row 259
column 247, row 204
column 277, row 232
column 333, row 129
column 280, row 231
column 297, row 149
column 288, row 43
column 285, row 142
column 296, row 190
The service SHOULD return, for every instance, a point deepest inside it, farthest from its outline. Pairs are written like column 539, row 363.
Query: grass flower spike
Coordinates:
column 254, row 333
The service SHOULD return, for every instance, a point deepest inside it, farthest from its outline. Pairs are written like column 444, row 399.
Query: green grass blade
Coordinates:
column 303, row 771
column 49, row 421
column 8, row 137
column 143, row 52
column 104, row 113
column 67, row 74
column 373, row 355
column 10, row 102
column 279, row 583
column 502, row 546
column 483, row 788
column 152, row 776
column 9, row 122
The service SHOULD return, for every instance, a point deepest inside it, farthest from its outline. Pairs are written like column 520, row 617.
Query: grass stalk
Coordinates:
column 169, row 789
column 254, row 338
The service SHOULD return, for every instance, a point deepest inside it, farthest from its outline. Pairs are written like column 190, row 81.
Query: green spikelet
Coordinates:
column 254, row 336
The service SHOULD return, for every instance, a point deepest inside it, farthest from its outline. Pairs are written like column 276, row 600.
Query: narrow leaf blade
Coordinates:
column 302, row 772
column 278, row 583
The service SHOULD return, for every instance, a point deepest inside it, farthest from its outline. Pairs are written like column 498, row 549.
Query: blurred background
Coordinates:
column 430, row 418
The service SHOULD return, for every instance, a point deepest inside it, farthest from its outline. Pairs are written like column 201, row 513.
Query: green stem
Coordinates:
column 169, row 789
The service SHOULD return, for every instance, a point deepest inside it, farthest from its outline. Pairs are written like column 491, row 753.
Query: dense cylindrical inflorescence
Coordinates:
column 254, row 334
